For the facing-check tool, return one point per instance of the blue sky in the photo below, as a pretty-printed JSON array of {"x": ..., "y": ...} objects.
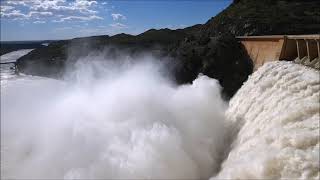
[{"x": 64, "y": 19}]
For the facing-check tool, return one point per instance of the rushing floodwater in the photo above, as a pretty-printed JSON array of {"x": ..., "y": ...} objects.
[
  {"x": 277, "y": 114},
  {"x": 110, "y": 120}
]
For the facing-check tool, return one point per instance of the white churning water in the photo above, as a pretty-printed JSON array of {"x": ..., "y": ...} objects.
[
  {"x": 277, "y": 114},
  {"x": 130, "y": 123}
]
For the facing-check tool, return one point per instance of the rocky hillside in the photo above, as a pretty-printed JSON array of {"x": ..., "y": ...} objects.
[
  {"x": 213, "y": 50},
  {"x": 210, "y": 48},
  {"x": 266, "y": 17},
  {"x": 51, "y": 60}
]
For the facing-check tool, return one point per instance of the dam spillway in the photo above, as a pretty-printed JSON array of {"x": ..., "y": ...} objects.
[
  {"x": 276, "y": 118},
  {"x": 302, "y": 49}
]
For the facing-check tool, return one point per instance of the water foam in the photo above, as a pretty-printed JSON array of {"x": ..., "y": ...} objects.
[
  {"x": 277, "y": 115},
  {"x": 130, "y": 122}
]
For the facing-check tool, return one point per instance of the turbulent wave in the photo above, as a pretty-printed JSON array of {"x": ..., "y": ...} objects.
[
  {"x": 124, "y": 122},
  {"x": 277, "y": 115}
]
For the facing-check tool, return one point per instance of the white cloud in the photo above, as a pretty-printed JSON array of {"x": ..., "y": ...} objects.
[
  {"x": 44, "y": 13},
  {"x": 57, "y": 21},
  {"x": 60, "y": 8},
  {"x": 39, "y": 22},
  {"x": 118, "y": 25},
  {"x": 85, "y": 3},
  {"x": 18, "y": 15},
  {"x": 6, "y": 8},
  {"x": 14, "y": 14},
  {"x": 14, "y": 2},
  {"x": 81, "y": 18},
  {"x": 47, "y": 5},
  {"x": 82, "y": 6},
  {"x": 118, "y": 17},
  {"x": 62, "y": 28}
]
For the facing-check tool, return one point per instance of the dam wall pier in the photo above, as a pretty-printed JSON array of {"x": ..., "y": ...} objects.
[
  {"x": 302, "y": 49},
  {"x": 308, "y": 50}
]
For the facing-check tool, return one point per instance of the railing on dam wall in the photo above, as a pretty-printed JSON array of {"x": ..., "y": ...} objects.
[{"x": 302, "y": 49}]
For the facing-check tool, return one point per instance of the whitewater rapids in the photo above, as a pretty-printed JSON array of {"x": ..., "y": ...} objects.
[{"x": 276, "y": 114}]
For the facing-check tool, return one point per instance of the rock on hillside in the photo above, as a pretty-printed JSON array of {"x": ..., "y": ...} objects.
[{"x": 221, "y": 57}]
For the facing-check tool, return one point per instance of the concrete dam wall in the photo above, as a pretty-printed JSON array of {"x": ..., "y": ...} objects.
[{"x": 303, "y": 49}]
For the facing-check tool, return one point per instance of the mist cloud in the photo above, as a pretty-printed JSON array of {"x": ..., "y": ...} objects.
[{"x": 112, "y": 119}]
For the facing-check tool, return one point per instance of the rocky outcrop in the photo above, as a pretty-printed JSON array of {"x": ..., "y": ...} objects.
[
  {"x": 214, "y": 51},
  {"x": 221, "y": 57},
  {"x": 266, "y": 17}
]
